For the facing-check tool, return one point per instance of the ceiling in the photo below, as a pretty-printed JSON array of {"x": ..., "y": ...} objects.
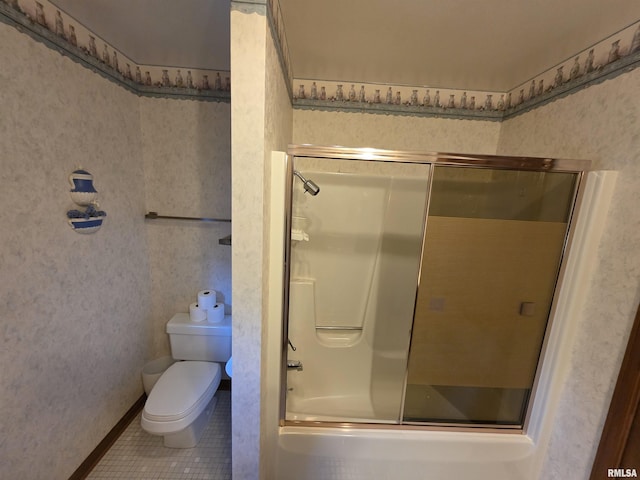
[
  {"x": 490, "y": 45},
  {"x": 174, "y": 33}
]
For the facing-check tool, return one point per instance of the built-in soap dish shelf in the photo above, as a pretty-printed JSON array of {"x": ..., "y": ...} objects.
[
  {"x": 298, "y": 229},
  {"x": 299, "y": 235}
]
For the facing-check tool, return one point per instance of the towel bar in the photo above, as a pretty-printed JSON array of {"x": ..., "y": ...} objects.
[
  {"x": 336, "y": 327},
  {"x": 154, "y": 215}
]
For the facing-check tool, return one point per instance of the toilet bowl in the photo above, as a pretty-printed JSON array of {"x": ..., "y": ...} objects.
[
  {"x": 181, "y": 403},
  {"x": 182, "y": 400}
]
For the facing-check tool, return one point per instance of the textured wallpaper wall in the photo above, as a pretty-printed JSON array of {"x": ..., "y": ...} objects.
[
  {"x": 395, "y": 132},
  {"x": 74, "y": 308},
  {"x": 278, "y": 130},
  {"x": 248, "y": 34},
  {"x": 261, "y": 121},
  {"x": 81, "y": 314},
  {"x": 601, "y": 124},
  {"x": 186, "y": 148}
]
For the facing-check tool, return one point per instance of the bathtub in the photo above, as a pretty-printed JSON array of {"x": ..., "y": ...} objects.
[
  {"x": 313, "y": 453},
  {"x": 399, "y": 453},
  {"x": 356, "y": 376}
]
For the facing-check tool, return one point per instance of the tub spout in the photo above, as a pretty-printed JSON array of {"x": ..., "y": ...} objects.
[{"x": 294, "y": 365}]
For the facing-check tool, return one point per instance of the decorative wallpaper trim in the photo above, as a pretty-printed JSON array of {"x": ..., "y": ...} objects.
[
  {"x": 56, "y": 31},
  {"x": 617, "y": 54},
  {"x": 248, "y": 6},
  {"x": 568, "y": 87},
  {"x": 276, "y": 24},
  {"x": 403, "y": 100}
]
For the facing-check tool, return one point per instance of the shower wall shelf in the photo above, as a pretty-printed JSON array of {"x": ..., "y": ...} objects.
[{"x": 299, "y": 235}]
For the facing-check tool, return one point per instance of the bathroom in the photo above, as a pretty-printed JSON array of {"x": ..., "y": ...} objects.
[{"x": 73, "y": 346}]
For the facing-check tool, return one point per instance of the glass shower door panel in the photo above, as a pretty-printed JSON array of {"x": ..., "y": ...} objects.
[
  {"x": 493, "y": 245},
  {"x": 355, "y": 255}
]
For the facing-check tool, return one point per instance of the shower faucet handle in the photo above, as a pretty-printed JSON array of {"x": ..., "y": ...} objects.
[{"x": 294, "y": 365}]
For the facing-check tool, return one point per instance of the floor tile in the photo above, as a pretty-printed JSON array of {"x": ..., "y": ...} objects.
[{"x": 138, "y": 455}]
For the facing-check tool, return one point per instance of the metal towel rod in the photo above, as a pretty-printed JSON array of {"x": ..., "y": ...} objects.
[
  {"x": 336, "y": 327},
  {"x": 154, "y": 215}
]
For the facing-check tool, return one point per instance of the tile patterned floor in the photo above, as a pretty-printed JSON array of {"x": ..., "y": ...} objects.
[{"x": 137, "y": 455}]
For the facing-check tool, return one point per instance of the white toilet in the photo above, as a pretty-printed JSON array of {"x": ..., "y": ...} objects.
[{"x": 182, "y": 401}]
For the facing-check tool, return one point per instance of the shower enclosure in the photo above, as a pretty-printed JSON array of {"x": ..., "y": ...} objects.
[{"x": 419, "y": 286}]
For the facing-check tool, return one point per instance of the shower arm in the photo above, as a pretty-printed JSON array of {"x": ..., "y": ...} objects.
[{"x": 309, "y": 185}]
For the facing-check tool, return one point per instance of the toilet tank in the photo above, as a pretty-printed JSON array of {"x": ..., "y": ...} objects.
[{"x": 210, "y": 342}]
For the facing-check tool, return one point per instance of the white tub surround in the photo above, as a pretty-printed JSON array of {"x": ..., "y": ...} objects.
[{"x": 385, "y": 452}]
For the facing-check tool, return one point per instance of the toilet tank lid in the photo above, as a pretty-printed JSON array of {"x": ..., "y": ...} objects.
[{"x": 181, "y": 323}]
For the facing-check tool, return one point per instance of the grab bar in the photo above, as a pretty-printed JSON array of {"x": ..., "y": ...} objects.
[
  {"x": 336, "y": 327},
  {"x": 154, "y": 215}
]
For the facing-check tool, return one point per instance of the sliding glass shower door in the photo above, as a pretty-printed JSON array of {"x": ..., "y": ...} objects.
[
  {"x": 493, "y": 245},
  {"x": 355, "y": 255},
  {"x": 420, "y": 286}
]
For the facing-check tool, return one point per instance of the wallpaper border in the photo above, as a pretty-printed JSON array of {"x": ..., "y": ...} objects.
[
  {"x": 488, "y": 110},
  {"x": 601, "y": 74},
  {"x": 617, "y": 54},
  {"x": 38, "y": 29},
  {"x": 607, "y": 63},
  {"x": 276, "y": 24}
]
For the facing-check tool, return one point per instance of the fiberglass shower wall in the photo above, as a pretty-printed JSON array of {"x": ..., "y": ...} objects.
[
  {"x": 421, "y": 286},
  {"x": 355, "y": 250}
]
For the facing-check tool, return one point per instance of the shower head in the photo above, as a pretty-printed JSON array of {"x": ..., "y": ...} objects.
[{"x": 309, "y": 185}]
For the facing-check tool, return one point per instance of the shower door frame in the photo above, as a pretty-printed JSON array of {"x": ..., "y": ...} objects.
[{"x": 431, "y": 159}]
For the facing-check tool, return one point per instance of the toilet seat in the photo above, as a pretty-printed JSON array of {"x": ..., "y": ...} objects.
[{"x": 180, "y": 395}]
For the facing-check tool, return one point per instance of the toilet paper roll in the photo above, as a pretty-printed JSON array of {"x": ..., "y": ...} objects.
[
  {"x": 207, "y": 299},
  {"x": 216, "y": 313},
  {"x": 197, "y": 313}
]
